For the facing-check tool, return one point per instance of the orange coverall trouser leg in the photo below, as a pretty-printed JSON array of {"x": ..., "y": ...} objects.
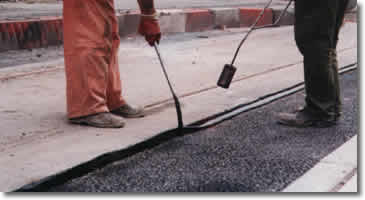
[{"x": 91, "y": 43}]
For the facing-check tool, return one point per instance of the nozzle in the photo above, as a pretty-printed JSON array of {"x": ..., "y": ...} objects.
[{"x": 226, "y": 76}]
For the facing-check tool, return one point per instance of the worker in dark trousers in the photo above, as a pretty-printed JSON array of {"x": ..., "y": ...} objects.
[{"x": 317, "y": 26}]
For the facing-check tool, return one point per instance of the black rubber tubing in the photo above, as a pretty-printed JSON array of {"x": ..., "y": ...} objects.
[
  {"x": 252, "y": 28},
  {"x": 176, "y": 99}
]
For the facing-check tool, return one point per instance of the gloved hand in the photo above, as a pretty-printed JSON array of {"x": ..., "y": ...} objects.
[{"x": 149, "y": 27}]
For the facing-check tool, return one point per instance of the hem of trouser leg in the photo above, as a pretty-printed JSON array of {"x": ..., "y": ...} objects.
[
  {"x": 116, "y": 107},
  {"x": 315, "y": 107},
  {"x": 326, "y": 119}
]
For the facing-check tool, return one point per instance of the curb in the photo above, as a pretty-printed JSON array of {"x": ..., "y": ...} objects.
[
  {"x": 332, "y": 173},
  {"x": 47, "y": 31},
  {"x": 30, "y": 33}
]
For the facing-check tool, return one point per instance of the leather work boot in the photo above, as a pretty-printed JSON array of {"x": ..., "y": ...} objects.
[
  {"x": 305, "y": 118},
  {"x": 128, "y": 111},
  {"x": 100, "y": 120}
]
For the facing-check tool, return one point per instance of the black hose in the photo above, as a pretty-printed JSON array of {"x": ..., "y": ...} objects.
[
  {"x": 253, "y": 27},
  {"x": 278, "y": 19},
  {"x": 176, "y": 100}
]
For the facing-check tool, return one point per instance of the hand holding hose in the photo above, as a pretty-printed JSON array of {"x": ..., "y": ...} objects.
[{"x": 149, "y": 25}]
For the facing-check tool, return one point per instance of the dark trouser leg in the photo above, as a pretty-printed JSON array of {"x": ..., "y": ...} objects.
[
  {"x": 316, "y": 34},
  {"x": 339, "y": 22},
  {"x": 321, "y": 79}
]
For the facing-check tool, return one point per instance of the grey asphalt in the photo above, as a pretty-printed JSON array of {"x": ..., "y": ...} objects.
[
  {"x": 18, "y": 11},
  {"x": 15, "y": 58},
  {"x": 249, "y": 153}
]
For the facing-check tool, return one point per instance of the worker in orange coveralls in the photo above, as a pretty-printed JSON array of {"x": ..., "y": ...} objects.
[{"x": 91, "y": 41}]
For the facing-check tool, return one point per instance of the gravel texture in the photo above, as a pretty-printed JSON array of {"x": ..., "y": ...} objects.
[{"x": 250, "y": 153}]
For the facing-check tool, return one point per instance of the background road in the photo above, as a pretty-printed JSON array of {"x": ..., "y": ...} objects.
[
  {"x": 249, "y": 153},
  {"x": 35, "y": 10}
]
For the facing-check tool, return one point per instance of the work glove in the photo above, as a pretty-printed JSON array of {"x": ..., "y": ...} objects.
[{"x": 149, "y": 27}]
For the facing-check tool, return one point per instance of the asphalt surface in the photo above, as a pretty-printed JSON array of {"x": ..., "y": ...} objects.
[
  {"x": 18, "y": 11},
  {"x": 250, "y": 153},
  {"x": 15, "y": 58}
]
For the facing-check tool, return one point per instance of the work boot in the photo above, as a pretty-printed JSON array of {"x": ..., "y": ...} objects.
[
  {"x": 306, "y": 118},
  {"x": 100, "y": 120},
  {"x": 128, "y": 111}
]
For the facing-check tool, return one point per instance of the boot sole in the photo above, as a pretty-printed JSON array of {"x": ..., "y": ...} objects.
[
  {"x": 84, "y": 123},
  {"x": 129, "y": 115},
  {"x": 315, "y": 124}
]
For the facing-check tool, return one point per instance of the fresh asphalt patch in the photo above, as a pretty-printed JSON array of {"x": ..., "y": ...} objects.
[{"x": 249, "y": 153}]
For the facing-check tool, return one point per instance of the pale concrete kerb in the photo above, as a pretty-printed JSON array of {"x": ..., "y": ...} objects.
[
  {"x": 229, "y": 17},
  {"x": 172, "y": 21},
  {"x": 329, "y": 172}
]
